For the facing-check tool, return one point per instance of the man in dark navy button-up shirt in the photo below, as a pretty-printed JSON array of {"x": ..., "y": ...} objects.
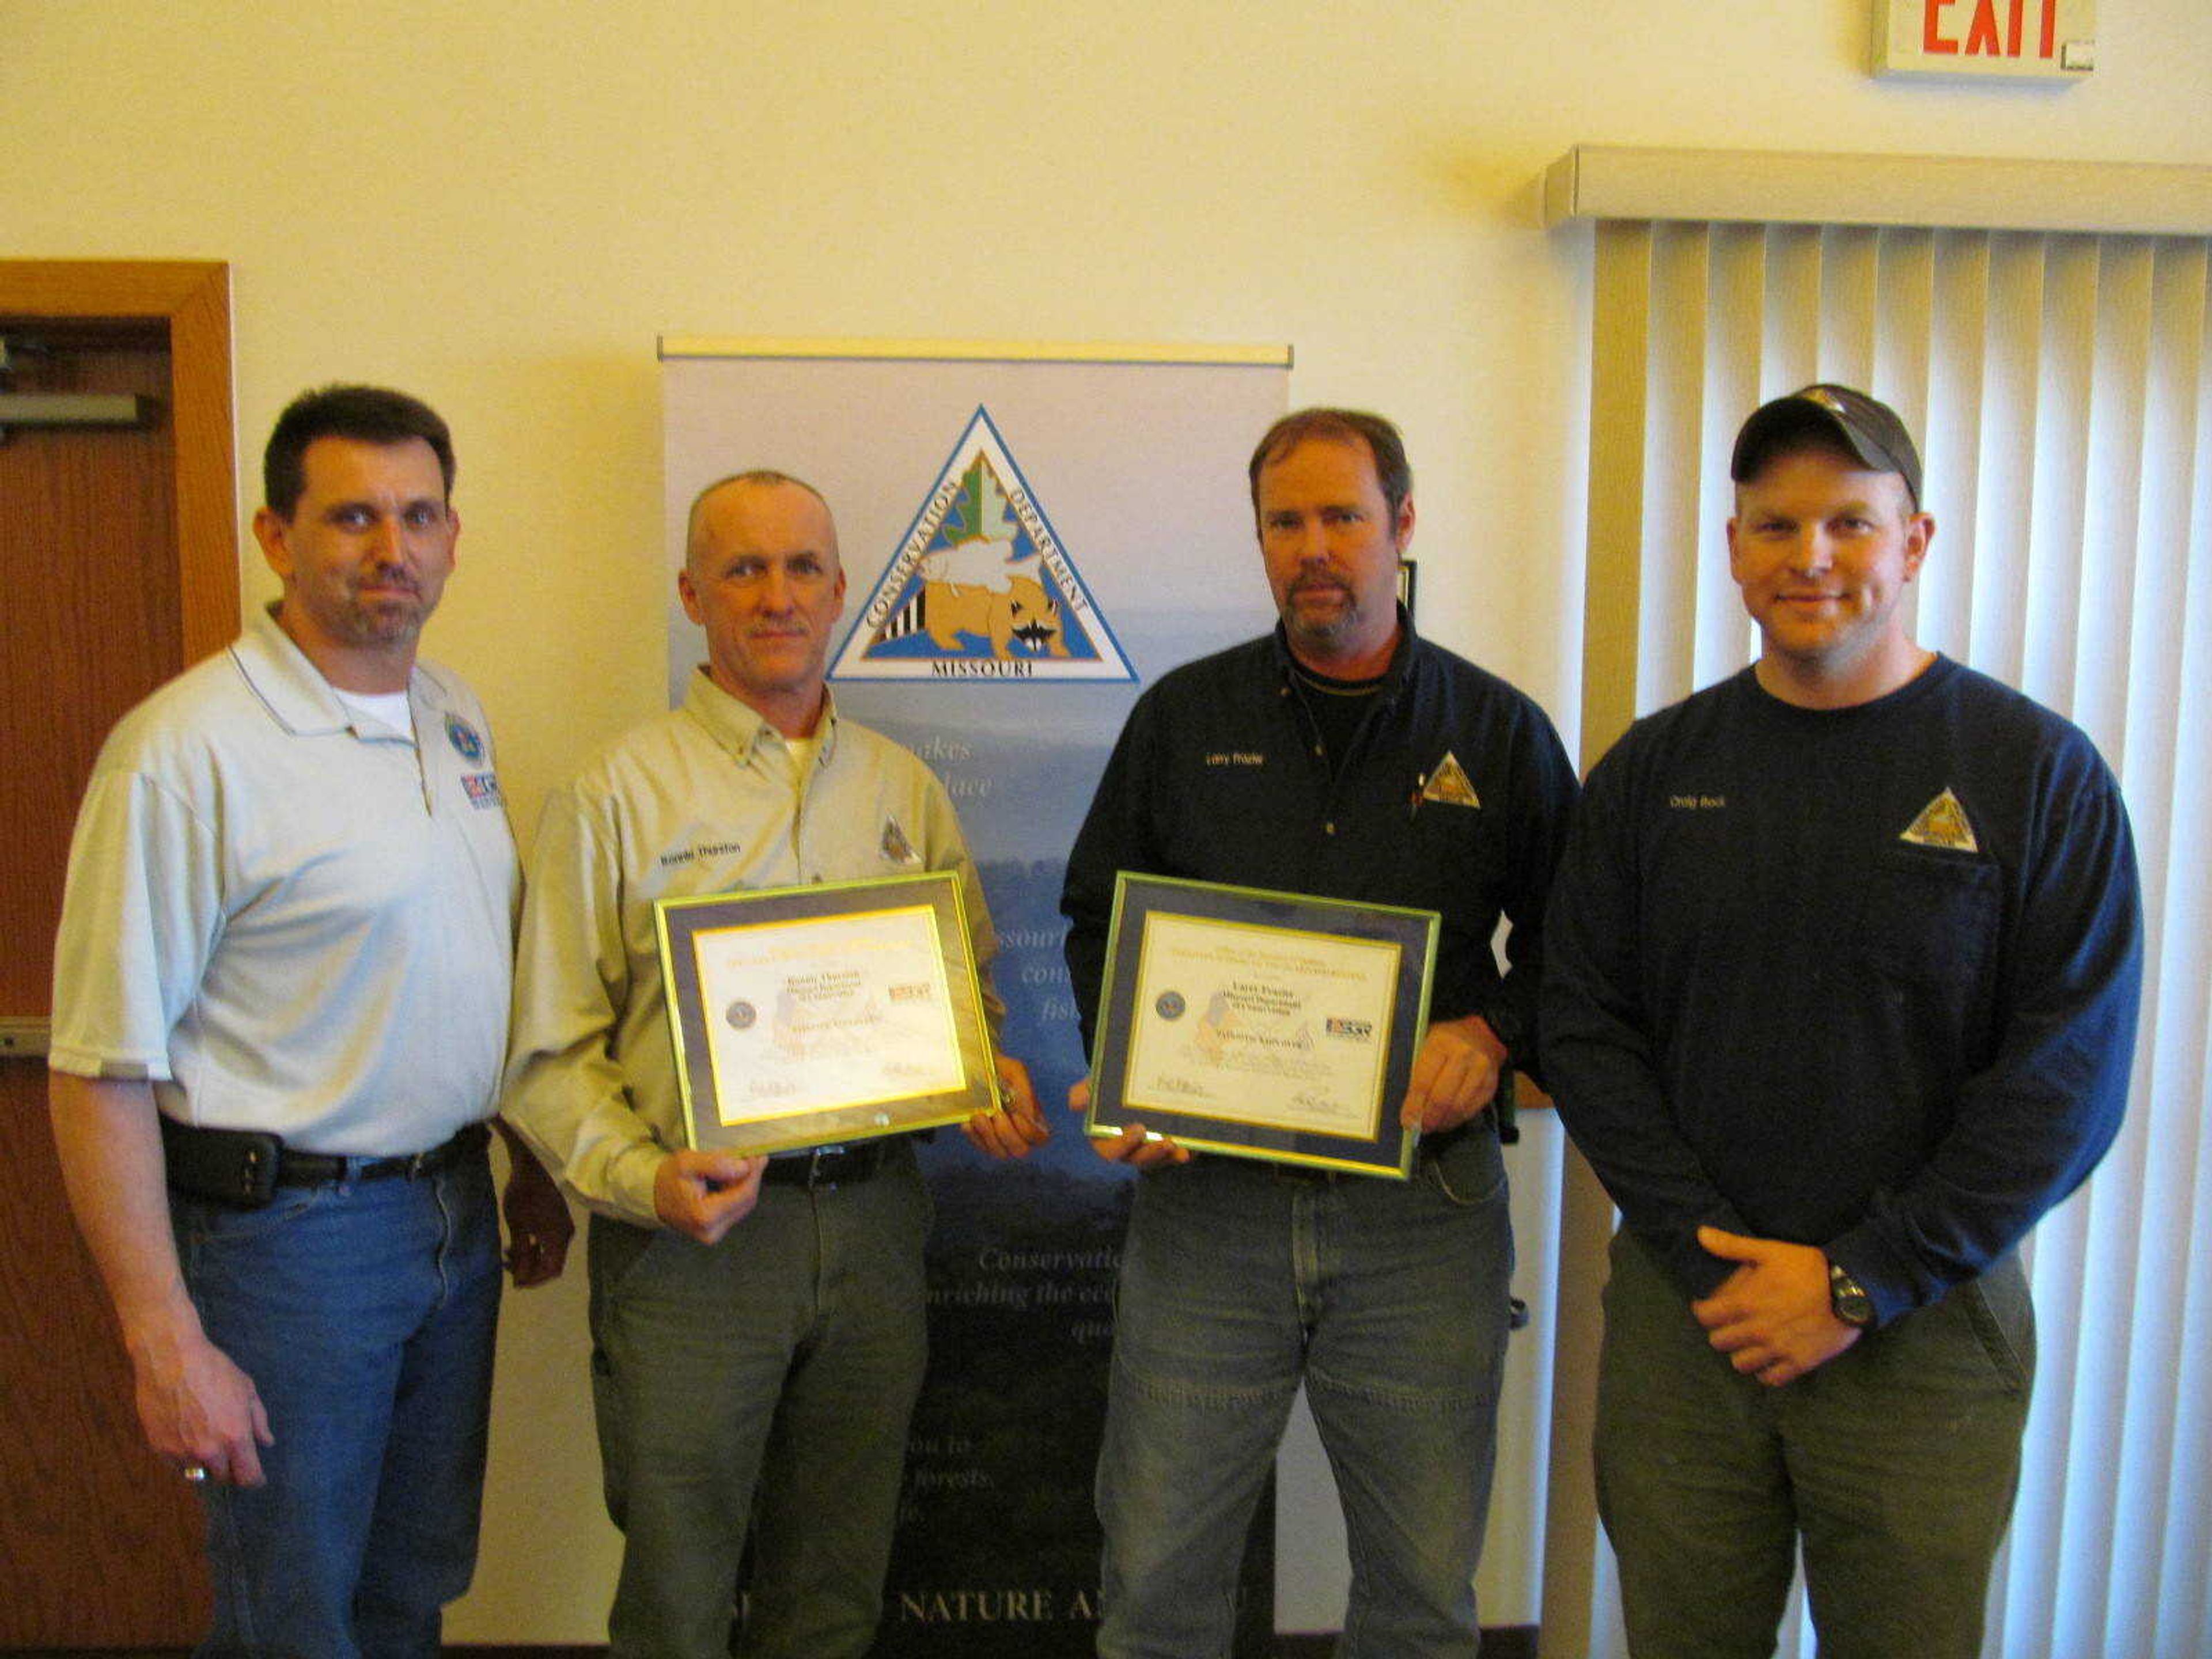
[{"x": 1342, "y": 756}]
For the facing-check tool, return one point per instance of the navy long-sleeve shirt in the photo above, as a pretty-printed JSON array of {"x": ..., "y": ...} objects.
[
  {"x": 1861, "y": 978},
  {"x": 1219, "y": 776}
]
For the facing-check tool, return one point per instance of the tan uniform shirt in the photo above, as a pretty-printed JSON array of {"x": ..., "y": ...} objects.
[{"x": 701, "y": 799}]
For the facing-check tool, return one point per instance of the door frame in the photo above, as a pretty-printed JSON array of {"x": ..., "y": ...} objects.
[
  {"x": 191, "y": 298},
  {"x": 189, "y": 302}
]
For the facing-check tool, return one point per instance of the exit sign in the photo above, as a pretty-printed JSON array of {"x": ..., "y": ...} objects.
[{"x": 2019, "y": 39}]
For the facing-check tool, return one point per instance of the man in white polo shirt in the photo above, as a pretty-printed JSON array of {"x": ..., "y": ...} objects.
[{"x": 280, "y": 1006}]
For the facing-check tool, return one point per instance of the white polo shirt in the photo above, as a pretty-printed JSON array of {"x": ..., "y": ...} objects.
[{"x": 288, "y": 915}]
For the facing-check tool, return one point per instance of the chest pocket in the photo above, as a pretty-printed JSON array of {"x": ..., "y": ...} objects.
[
  {"x": 1931, "y": 922},
  {"x": 1456, "y": 852}
]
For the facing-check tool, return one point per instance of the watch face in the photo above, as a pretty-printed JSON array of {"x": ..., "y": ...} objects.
[{"x": 1849, "y": 1298}]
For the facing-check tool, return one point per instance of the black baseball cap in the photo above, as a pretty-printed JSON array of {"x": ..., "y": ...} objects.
[{"x": 1866, "y": 427}]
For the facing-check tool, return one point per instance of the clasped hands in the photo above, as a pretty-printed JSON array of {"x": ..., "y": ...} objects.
[{"x": 1772, "y": 1317}]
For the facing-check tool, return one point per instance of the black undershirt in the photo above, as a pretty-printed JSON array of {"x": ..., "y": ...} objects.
[{"x": 1337, "y": 707}]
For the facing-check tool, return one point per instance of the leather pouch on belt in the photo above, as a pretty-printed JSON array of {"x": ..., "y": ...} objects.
[{"x": 237, "y": 1167}]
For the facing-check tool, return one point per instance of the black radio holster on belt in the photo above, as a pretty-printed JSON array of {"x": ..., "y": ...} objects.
[{"x": 237, "y": 1167}]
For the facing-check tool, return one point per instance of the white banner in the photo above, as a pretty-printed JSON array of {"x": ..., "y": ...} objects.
[{"x": 1029, "y": 536}]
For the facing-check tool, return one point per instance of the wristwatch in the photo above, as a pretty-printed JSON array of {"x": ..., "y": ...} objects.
[{"x": 1849, "y": 1298}]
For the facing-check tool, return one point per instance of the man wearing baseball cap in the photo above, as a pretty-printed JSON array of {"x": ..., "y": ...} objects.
[{"x": 1846, "y": 954}]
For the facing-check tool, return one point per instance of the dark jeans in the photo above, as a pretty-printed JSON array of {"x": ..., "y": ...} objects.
[
  {"x": 364, "y": 1313},
  {"x": 1391, "y": 1299}
]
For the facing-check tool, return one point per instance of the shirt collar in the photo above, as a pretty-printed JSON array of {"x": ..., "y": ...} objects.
[
  {"x": 1392, "y": 677},
  {"x": 740, "y": 728},
  {"x": 296, "y": 694}
]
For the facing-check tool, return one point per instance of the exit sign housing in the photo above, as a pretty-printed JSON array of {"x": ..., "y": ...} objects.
[{"x": 2014, "y": 39}]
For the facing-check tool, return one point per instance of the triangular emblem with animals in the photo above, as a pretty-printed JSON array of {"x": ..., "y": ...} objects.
[{"x": 980, "y": 586}]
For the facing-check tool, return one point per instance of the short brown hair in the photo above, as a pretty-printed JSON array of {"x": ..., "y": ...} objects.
[
  {"x": 1340, "y": 426},
  {"x": 366, "y": 414}
]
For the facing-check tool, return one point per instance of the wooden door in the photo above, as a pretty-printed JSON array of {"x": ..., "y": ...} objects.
[{"x": 118, "y": 570}]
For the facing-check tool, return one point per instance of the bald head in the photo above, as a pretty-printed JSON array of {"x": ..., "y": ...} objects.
[
  {"x": 763, "y": 578},
  {"x": 707, "y": 502}
]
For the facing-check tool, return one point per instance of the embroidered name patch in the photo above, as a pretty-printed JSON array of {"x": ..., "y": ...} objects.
[{"x": 705, "y": 849}]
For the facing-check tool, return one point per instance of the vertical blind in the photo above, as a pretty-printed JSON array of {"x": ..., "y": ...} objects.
[{"x": 2062, "y": 388}]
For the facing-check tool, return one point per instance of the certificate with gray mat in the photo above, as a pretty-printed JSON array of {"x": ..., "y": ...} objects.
[
  {"x": 1263, "y": 1025},
  {"x": 804, "y": 1016}
]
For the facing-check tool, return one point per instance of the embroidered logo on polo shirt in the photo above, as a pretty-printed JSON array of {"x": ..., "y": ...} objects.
[
  {"x": 1448, "y": 784},
  {"x": 1942, "y": 822},
  {"x": 896, "y": 847},
  {"x": 482, "y": 787},
  {"x": 467, "y": 742}
]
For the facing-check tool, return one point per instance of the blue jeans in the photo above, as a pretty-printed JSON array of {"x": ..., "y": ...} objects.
[
  {"x": 364, "y": 1313},
  {"x": 761, "y": 1384},
  {"x": 1896, "y": 1462},
  {"x": 1391, "y": 1300}
]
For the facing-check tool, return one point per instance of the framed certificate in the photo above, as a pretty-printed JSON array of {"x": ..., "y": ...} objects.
[
  {"x": 807, "y": 1015},
  {"x": 1270, "y": 1025}
]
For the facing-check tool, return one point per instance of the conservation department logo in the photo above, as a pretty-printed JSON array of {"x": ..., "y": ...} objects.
[
  {"x": 895, "y": 846},
  {"x": 1449, "y": 784},
  {"x": 1943, "y": 823},
  {"x": 981, "y": 587}
]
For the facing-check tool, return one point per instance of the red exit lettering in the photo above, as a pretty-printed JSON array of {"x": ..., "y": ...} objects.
[{"x": 1982, "y": 38}]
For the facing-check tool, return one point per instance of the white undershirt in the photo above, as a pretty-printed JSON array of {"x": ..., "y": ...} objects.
[
  {"x": 385, "y": 708},
  {"x": 803, "y": 752}
]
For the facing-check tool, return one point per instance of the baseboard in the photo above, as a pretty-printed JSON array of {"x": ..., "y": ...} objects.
[
  {"x": 1504, "y": 1641},
  {"x": 1512, "y": 1642},
  {"x": 1509, "y": 1642}
]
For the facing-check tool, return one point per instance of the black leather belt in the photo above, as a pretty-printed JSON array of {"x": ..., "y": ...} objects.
[
  {"x": 826, "y": 1166},
  {"x": 298, "y": 1169},
  {"x": 244, "y": 1167}
]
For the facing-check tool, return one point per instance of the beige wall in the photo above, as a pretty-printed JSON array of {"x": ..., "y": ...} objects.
[{"x": 498, "y": 204}]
